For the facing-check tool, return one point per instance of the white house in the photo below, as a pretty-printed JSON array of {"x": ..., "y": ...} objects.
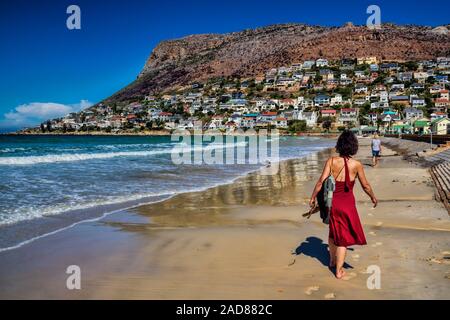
[
  {"x": 348, "y": 115},
  {"x": 322, "y": 62},
  {"x": 280, "y": 122},
  {"x": 164, "y": 116},
  {"x": 309, "y": 117},
  {"x": 360, "y": 74},
  {"x": 398, "y": 87},
  {"x": 360, "y": 88},
  {"x": 308, "y": 64},
  {"x": 336, "y": 99},
  {"x": 217, "y": 122},
  {"x": 418, "y": 102},
  {"x": 420, "y": 76},
  {"x": 413, "y": 113},
  {"x": 384, "y": 96},
  {"x": 438, "y": 115}
]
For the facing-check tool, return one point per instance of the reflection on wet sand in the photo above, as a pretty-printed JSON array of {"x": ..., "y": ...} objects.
[{"x": 210, "y": 207}]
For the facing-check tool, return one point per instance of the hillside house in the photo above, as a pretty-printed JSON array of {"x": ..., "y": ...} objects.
[
  {"x": 281, "y": 123},
  {"x": 417, "y": 86},
  {"x": 403, "y": 100},
  {"x": 441, "y": 126},
  {"x": 322, "y": 63},
  {"x": 321, "y": 100},
  {"x": 348, "y": 116},
  {"x": 421, "y": 126},
  {"x": 418, "y": 102},
  {"x": 360, "y": 88},
  {"x": 367, "y": 60},
  {"x": 413, "y": 113},
  {"x": 309, "y": 117},
  {"x": 164, "y": 116},
  {"x": 405, "y": 76},
  {"x": 336, "y": 100},
  {"x": 268, "y": 116},
  {"x": 437, "y": 115},
  {"x": 328, "y": 113},
  {"x": 308, "y": 64}
]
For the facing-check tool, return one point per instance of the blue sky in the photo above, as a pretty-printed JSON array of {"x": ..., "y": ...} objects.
[{"x": 47, "y": 69}]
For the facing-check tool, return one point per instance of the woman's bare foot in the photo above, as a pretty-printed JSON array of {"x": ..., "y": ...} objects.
[{"x": 340, "y": 273}]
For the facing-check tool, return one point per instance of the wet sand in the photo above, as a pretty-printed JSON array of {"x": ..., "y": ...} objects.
[{"x": 247, "y": 240}]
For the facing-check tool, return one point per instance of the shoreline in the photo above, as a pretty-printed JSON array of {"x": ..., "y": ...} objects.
[
  {"x": 161, "y": 133},
  {"x": 246, "y": 240},
  {"x": 87, "y": 134},
  {"x": 68, "y": 219}
]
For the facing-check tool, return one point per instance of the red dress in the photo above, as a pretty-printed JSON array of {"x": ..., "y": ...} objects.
[{"x": 345, "y": 226}]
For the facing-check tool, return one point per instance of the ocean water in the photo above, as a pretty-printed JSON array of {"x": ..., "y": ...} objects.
[{"x": 49, "y": 182}]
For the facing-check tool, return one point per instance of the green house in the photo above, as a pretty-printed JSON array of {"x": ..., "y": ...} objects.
[
  {"x": 422, "y": 126},
  {"x": 402, "y": 128}
]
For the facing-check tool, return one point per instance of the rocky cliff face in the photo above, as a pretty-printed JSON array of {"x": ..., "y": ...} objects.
[{"x": 251, "y": 52}]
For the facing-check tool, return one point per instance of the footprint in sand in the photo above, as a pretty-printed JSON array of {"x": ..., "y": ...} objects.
[
  {"x": 355, "y": 256},
  {"x": 377, "y": 244},
  {"x": 379, "y": 224},
  {"x": 372, "y": 233},
  {"x": 330, "y": 295},
  {"x": 309, "y": 291},
  {"x": 434, "y": 260},
  {"x": 349, "y": 276}
]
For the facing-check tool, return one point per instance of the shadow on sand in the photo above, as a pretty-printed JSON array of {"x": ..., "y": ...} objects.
[{"x": 315, "y": 248}]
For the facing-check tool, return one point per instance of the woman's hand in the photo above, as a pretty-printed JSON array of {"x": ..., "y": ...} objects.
[
  {"x": 374, "y": 201},
  {"x": 312, "y": 202}
]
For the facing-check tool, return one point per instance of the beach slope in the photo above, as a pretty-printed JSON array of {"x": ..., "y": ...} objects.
[{"x": 247, "y": 240}]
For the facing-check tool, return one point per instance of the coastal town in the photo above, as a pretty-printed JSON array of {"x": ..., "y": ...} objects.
[{"x": 364, "y": 94}]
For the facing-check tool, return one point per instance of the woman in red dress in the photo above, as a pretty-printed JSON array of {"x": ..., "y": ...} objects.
[{"x": 345, "y": 226}]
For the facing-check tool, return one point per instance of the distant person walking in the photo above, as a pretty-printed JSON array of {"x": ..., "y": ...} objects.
[
  {"x": 345, "y": 227},
  {"x": 376, "y": 149}
]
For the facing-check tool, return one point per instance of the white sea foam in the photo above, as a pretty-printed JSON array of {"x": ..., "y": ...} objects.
[
  {"x": 10, "y": 150},
  {"x": 68, "y": 157},
  {"x": 30, "y": 213},
  {"x": 52, "y": 158}
]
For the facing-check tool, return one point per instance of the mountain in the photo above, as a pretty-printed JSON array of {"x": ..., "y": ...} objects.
[{"x": 248, "y": 53}]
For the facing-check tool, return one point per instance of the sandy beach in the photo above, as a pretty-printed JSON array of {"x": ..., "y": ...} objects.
[{"x": 247, "y": 240}]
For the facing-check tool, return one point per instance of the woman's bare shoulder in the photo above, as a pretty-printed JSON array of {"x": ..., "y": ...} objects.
[
  {"x": 333, "y": 160},
  {"x": 357, "y": 163}
]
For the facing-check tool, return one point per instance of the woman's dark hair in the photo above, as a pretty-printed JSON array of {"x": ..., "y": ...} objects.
[{"x": 347, "y": 144}]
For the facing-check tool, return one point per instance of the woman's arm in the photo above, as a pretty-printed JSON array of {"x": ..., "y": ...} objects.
[
  {"x": 325, "y": 173},
  {"x": 366, "y": 185}
]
